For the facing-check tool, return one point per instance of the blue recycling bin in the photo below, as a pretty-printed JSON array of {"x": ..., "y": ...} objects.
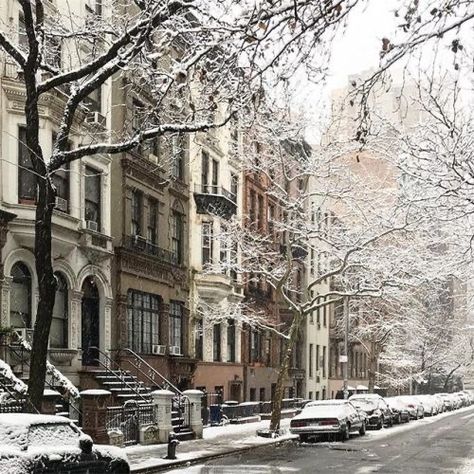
[{"x": 215, "y": 414}]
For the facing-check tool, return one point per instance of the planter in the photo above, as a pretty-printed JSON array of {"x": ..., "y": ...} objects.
[{"x": 62, "y": 356}]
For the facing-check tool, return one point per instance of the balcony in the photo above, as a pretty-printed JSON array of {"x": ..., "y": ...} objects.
[
  {"x": 215, "y": 200},
  {"x": 139, "y": 244}
]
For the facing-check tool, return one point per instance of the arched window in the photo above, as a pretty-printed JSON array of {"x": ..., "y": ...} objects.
[
  {"x": 20, "y": 296},
  {"x": 59, "y": 327}
]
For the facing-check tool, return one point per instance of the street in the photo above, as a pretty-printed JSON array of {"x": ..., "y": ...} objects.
[{"x": 440, "y": 444}]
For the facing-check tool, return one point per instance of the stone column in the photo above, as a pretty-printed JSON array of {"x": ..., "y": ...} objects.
[
  {"x": 75, "y": 325},
  {"x": 162, "y": 405},
  {"x": 207, "y": 341},
  {"x": 94, "y": 414},
  {"x": 195, "y": 419},
  {"x": 107, "y": 324},
  {"x": 5, "y": 300},
  {"x": 238, "y": 342}
]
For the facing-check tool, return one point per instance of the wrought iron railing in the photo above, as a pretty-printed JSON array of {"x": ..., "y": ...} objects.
[
  {"x": 216, "y": 190},
  {"x": 140, "y": 244}
]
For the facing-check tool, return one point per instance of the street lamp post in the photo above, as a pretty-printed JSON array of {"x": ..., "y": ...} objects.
[{"x": 346, "y": 348}]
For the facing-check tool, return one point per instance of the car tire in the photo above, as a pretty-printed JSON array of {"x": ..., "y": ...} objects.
[
  {"x": 303, "y": 438},
  {"x": 362, "y": 429},
  {"x": 380, "y": 424}
]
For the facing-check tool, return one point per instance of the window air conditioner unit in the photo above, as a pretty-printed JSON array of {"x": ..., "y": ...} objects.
[
  {"x": 153, "y": 158},
  {"x": 158, "y": 350},
  {"x": 61, "y": 204},
  {"x": 92, "y": 225},
  {"x": 95, "y": 117},
  {"x": 139, "y": 241},
  {"x": 175, "y": 350}
]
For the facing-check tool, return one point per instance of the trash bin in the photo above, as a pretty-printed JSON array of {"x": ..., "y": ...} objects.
[{"x": 215, "y": 414}]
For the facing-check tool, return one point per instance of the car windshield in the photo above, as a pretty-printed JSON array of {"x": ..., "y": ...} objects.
[
  {"x": 52, "y": 434},
  {"x": 365, "y": 404}
]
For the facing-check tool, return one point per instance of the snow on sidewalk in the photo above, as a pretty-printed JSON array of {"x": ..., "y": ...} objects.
[{"x": 217, "y": 440}]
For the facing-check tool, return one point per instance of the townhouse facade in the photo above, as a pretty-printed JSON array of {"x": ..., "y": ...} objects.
[{"x": 82, "y": 241}]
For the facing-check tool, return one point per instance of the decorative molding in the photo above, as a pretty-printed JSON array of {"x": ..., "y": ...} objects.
[{"x": 144, "y": 171}]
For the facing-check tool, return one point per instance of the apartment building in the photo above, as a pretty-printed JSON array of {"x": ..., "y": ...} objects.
[
  {"x": 216, "y": 185},
  {"x": 82, "y": 241},
  {"x": 150, "y": 227}
]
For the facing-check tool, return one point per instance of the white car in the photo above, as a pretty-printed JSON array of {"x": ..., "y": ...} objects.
[
  {"x": 32, "y": 443},
  {"x": 339, "y": 419}
]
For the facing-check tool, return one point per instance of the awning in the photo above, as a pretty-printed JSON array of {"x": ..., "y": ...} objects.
[{"x": 362, "y": 387}]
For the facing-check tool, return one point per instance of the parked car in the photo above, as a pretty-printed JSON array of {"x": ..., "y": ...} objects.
[
  {"x": 47, "y": 443},
  {"x": 414, "y": 406},
  {"x": 399, "y": 410},
  {"x": 448, "y": 401},
  {"x": 429, "y": 405},
  {"x": 322, "y": 418},
  {"x": 378, "y": 412}
]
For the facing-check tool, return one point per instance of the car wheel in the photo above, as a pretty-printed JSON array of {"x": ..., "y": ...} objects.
[
  {"x": 362, "y": 429},
  {"x": 119, "y": 467},
  {"x": 399, "y": 420},
  {"x": 303, "y": 438},
  {"x": 380, "y": 423}
]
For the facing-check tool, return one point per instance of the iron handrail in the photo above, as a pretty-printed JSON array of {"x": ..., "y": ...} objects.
[
  {"x": 116, "y": 373},
  {"x": 150, "y": 368},
  {"x": 14, "y": 349}
]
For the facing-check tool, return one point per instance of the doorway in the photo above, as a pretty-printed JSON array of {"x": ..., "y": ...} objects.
[{"x": 90, "y": 322}]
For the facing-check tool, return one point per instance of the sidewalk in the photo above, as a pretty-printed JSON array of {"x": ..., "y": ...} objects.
[{"x": 217, "y": 441}]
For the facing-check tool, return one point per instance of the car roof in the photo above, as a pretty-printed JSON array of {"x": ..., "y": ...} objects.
[{"x": 28, "y": 419}]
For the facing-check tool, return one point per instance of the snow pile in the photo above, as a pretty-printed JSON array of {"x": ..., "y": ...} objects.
[{"x": 6, "y": 372}]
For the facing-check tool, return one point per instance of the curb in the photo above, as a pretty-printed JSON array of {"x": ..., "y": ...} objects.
[{"x": 197, "y": 460}]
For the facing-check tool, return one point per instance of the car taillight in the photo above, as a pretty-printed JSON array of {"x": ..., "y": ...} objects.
[
  {"x": 330, "y": 421},
  {"x": 297, "y": 423}
]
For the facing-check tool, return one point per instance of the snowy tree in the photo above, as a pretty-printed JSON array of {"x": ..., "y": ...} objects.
[{"x": 191, "y": 55}]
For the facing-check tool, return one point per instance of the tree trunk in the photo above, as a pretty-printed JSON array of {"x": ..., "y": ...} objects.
[
  {"x": 283, "y": 372},
  {"x": 47, "y": 291},
  {"x": 372, "y": 367}
]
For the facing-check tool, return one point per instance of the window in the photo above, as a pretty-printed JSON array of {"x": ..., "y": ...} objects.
[
  {"x": 317, "y": 357},
  {"x": 143, "y": 316},
  {"x": 271, "y": 218},
  {"x": 198, "y": 339},
  {"x": 310, "y": 365},
  {"x": 178, "y": 157},
  {"x": 252, "y": 205},
  {"x": 207, "y": 243},
  {"x": 216, "y": 337},
  {"x": 59, "y": 325},
  {"x": 26, "y": 174},
  {"x": 234, "y": 186},
  {"x": 151, "y": 232},
  {"x": 215, "y": 177},
  {"x": 22, "y": 36},
  {"x": 177, "y": 227},
  {"x": 92, "y": 196},
  {"x": 230, "y": 340},
  {"x": 255, "y": 346},
  {"x": 61, "y": 182},
  {"x": 137, "y": 206},
  {"x": 176, "y": 324},
  {"x": 325, "y": 313},
  {"x": 93, "y": 101},
  {"x": 20, "y": 296},
  {"x": 253, "y": 394},
  {"x": 204, "y": 172},
  {"x": 260, "y": 213},
  {"x": 324, "y": 361},
  {"x": 262, "y": 394}
]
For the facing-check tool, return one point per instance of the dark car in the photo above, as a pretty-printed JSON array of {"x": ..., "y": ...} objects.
[
  {"x": 44, "y": 444},
  {"x": 399, "y": 409},
  {"x": 378, "y": 412}
]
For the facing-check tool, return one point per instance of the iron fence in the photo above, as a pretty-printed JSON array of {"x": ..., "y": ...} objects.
[{"x": 129, "y": 418}]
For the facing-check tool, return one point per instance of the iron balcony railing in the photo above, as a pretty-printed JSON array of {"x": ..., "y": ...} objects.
[
  {"x": 216, "y": 190},
  {"x": 140, "y": 244}
]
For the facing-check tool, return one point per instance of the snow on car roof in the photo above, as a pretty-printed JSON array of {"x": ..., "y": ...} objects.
[
  {"x": 322, "y": 410},
  {"x": 27, "y": 419}
]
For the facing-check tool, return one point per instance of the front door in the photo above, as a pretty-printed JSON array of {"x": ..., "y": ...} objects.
[{"x": 90, "y": 323}]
